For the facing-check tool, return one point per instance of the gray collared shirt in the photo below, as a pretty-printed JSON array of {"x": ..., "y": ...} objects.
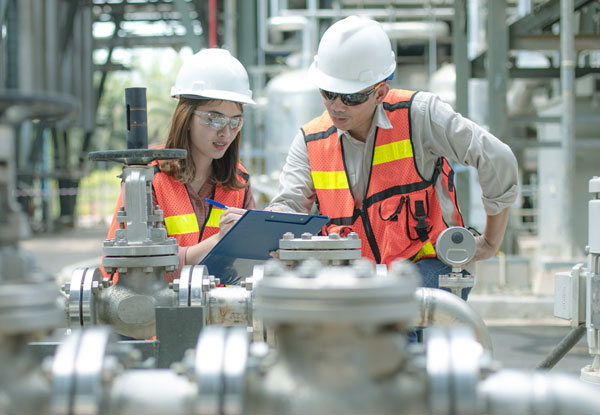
[{"x": 436, "y": 130}]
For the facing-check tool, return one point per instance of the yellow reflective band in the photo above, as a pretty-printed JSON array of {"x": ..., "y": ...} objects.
[
  {"x": 215, "y": 215},
  {"x": 392, "y": 151},
  {"x": 426, "y": 249},
  {"x": 330, "y": 180},
  {"x": 177, "y": 225}
]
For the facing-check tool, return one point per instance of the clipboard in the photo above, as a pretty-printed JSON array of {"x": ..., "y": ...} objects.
[{"x": 251, "y": 239}]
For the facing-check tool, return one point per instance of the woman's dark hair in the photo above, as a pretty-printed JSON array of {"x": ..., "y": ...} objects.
[{"x": 225, "y": 169}]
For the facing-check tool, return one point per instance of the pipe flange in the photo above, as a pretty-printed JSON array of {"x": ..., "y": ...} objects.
[
  {"x": 352, "y": 294},
  {"x": 220, "y": 370},
  {"x": 312, "y": 242},
  {"x": 85, "y": 283},
  {"x": 25, "y": 308},
  {"x": 331, "y": 249},
  {"x": 322, "y": 255},
  {"x": 193, "y": 284},
  {"x": 169, "y": 262},
  {"x": 113, "y": 248},
  {"x": 80, "y": 370},
  {"x": 453, "y": 370}
]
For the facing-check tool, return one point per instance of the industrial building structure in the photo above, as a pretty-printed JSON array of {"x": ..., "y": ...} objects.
[{"x": 529, "y": 70}]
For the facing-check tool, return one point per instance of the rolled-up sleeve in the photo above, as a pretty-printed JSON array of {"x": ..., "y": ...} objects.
[
  {"x": 440, "y": 131},
  {"x": 296, "y": 189}
]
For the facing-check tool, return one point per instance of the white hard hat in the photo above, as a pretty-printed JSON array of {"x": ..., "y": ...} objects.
[
  {"x": 353, "y": 54},
  {"x": 213, "y": 73}
]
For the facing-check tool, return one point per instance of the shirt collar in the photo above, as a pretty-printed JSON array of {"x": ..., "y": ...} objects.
[{"x": 380, "y": 120}]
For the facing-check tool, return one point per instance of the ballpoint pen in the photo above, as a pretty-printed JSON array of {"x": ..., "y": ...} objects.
[{"x": 217, "y": 204}]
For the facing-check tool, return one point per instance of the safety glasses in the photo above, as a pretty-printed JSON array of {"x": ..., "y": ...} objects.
[
  {"x": 218, "y": 121},
  {"x": 349, "y": 99}
]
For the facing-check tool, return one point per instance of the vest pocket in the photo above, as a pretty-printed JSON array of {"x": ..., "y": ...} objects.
[
  {"x": 390, "y": 209},
  {"x": 417, "y": 214}
]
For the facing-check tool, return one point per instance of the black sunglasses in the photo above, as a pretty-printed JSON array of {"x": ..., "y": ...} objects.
[{"x": 349, "y": 99}]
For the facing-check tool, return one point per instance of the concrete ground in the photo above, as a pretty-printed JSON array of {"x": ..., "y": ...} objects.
[{"x": 522, "y": 328}]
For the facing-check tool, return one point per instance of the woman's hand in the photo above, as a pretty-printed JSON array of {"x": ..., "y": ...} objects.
[{"x": 228, "y": 218}]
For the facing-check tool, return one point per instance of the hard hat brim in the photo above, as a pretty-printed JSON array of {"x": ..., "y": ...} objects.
[
  {"x": 342, "y": 86},
  {"x": 214, "y": 94}
]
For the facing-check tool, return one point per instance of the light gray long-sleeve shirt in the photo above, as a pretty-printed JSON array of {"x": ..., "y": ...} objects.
[{"x": 436, "y": 130}]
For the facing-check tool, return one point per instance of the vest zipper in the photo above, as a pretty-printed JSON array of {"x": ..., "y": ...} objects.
[{"x": 370, "y": 235}]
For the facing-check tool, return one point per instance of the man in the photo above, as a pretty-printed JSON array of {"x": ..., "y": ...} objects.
[{"x": 375, "y": 160}]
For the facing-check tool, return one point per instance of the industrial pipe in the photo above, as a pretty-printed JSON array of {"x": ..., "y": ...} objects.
[
  {"x": 515, "y": 393},
  {"x": 439, "y": 307}
]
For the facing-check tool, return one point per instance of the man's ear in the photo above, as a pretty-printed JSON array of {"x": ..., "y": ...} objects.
[{"x": 381, "y": 93}]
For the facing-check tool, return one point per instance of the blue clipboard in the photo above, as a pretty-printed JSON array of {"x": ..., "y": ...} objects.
[{"x": 251, "y": 239}]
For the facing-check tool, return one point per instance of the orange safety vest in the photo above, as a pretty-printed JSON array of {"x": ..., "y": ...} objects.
[
  {"x": 180, "y": 219},
  {"x": 400, "y": 215},
  {"x": 179, "y": 216}
]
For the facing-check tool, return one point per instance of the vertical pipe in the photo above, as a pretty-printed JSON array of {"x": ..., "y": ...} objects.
[
  {"x": 37, "y": 51},
  {"x": 26, "y": 45},
  {"x": 274, "y": 6},
  {"x": 309, "y": 33},
  {"x": 87, "y": 65},
  {"x": 76, "y": 78},
  {"x": 3, "y": 8},
  {"x": 262, "y": 16},
  {"x": 462, "y": 64},
  {"x": 432, "y": 47},
  {"x": 567, "y": 79},
  {"x": 51, "y": 28},
  {"x": 497, "y": 59},
  {"x": 230, "y": 14},
  {"x": 251, "y": 54},
  {"x": 11, "y": 66},
  {"x": 212, "y": 23}
]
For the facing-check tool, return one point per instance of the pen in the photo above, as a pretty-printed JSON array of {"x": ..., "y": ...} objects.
[{"x": 215, "y": 203}]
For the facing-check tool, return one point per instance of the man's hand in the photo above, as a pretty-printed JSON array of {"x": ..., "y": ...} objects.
[
  {"x": 484, "y": 249},
  {"x": 275, "y": 209},
  {"x": 489, "y": 243}
]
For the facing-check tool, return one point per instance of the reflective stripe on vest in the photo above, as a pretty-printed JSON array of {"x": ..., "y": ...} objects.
[
  {"x": 330, "y": 179},
  {"x": 177, "y": 225},
  {"x": 213, "y": 218},
  {"x": 392, "y": 151},
  {"x": 400, "y": 216}
]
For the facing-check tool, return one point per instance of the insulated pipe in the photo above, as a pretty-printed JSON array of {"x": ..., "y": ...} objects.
[
  {"x": 439, "y": 307},
  {"x": 562, "y": 348},
  {"x": 567, "y": 81},
  {"x": 515, "y": 393}
]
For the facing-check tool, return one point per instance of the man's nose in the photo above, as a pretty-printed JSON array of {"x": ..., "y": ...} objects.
[{"x": 337, "y": 103}]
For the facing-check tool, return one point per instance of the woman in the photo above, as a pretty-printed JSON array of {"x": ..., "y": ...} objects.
[{"x": 211, "y": 87}]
